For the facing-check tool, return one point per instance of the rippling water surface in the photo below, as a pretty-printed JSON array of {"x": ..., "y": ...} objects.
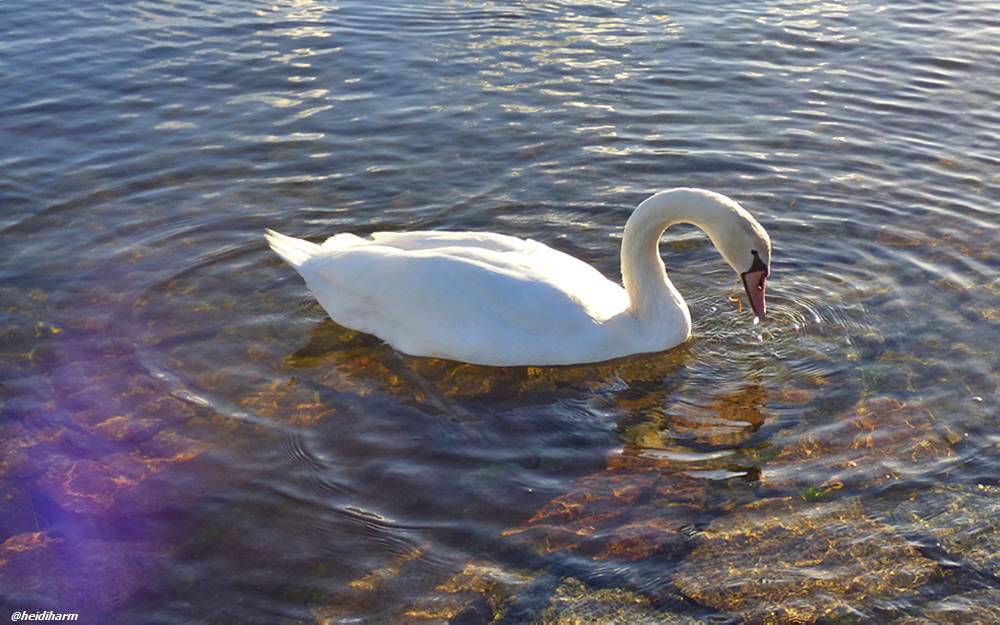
[{"x": 185, "y": 437}]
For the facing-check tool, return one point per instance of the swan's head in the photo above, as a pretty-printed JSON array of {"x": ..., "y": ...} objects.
[
  {"x": 742, "y": 241},
  {"x": 747, "y": 248}
]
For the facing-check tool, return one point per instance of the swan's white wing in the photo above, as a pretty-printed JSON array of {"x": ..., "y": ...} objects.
[
  {"x": 432, "y": 239},
  {"x": 503, "y": 300},
  {"x": 506, "y": 254}
]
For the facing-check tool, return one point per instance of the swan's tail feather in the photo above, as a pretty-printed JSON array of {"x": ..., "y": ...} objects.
[{"x": 293, "y": 251}]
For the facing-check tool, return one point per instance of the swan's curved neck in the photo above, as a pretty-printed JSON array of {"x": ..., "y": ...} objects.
[{"x": 651, "y": 293}]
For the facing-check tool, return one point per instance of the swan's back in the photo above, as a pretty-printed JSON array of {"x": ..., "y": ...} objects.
[{"x": 477, "y": 297}]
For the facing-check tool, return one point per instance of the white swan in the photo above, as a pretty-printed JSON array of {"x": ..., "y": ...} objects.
[{"x": 493, "y": 299}]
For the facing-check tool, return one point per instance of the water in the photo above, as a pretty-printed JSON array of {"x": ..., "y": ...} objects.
[{"x": 185, "y": 437}]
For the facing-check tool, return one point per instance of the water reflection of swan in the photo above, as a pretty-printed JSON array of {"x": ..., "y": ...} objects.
[{"x": 493, "y": 299}]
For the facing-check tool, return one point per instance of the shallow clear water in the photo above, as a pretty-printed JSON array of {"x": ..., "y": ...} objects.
[{"x": 185, "y": 437}]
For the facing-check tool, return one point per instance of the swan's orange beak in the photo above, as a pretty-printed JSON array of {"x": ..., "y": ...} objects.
[{"x": 754, "y": 283}]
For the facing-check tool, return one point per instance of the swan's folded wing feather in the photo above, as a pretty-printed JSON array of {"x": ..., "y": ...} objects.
[
  {"x": 457, "y": 301},
  {"x": 433, "y": 239}
]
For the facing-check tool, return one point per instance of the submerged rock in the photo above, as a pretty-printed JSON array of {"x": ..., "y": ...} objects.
[
  {"x": 91, "y": 486},
  {"x": 23, "y": 451},
  {"x": 784, "y": 560},
  {"x": 981, "y": 607},
  {"x": 728, "y": 420},
  {"x": 123, "y": 428},
  {"x": 289, "y": 402},
  {"x": 963, "y": 521},
  {"x": 349, "y": 361},
  {"x": 385, "y": 587},
  {"x": 16, "y": 510},
  {"x": 25, "y": 543},
  {"x": 40, "y": 571},
  {"x": 116, "y": 480},
  {"x": 720, "y": 417},
  {"x": 574, "y": 603},
  {"x": 636, "y": 508},
  {"x": 409, "y": 589},
  {"x": 880, "y": 440},
  {"x": 477, "y": 582}
]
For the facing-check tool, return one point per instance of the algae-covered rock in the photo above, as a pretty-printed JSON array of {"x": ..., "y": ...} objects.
[
  {"x": 92, "y": 575},
  {"x": 634, "y": 509},
  {"x": 727, "y": 419},
  {"x": 96, "y": 485},
  {"x": 722, "y": 416},
  {"x": 16, "y": 510},
  {"x": 382, "y": 587},
  {"x": 784, "y": 560},
  {"x": 980, "y": 607},
  {"x": 410, "y": 589},
  {"x": 90, "y": 486},
  {"x": 481, "y": 581},
  {"x": 123, "y": 428},
  {"x": 963, "y": 521},
  {"x": 349, "y": 361},
  {"x": 23, "y": 450},
  {"x": 574, "y": 603},
  {"x": 289, "y": 402},
  {"x": 879, "y": 440}
]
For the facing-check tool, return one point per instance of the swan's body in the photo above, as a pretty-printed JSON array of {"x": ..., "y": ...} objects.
[{"x": 493, "y": 299}]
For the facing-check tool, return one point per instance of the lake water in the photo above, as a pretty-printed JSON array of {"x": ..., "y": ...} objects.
[{"x": 185, "y": 437}]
